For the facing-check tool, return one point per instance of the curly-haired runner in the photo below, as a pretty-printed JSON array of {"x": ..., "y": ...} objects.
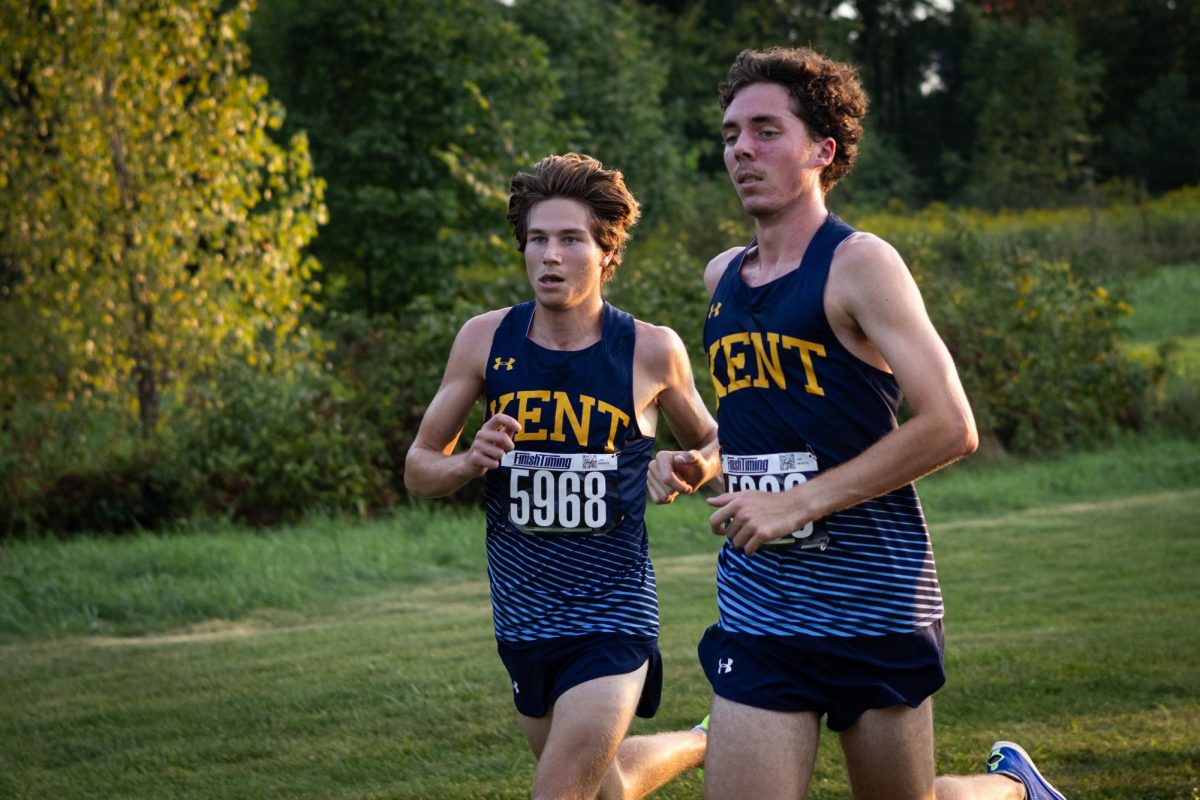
[
  {"x": 828, "y": 597},
  {"x": 573, "y": 389}
]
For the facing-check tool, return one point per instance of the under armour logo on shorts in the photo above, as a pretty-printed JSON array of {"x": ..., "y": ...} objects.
[
  {"x": 724, "y": 666},
  {"x": 515, "y": 689}
]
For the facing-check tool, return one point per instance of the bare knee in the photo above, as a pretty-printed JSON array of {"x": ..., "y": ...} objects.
[
  {"x": 561, "y": 776},
  {"x": 616, "y": 784}
]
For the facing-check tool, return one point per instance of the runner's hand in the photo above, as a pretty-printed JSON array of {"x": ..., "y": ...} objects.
[
  {"x": 494, "y": 439},
  {"x": 753, "y": 518},
  {"x": 673, "y": 472}
]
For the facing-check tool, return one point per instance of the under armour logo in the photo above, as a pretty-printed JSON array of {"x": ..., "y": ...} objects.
[
  {"x": 724, "y": 666},
  {"x": 714, "y": 310},
  {"x": 515, "y": 689},
  {"x": 502, "y": 362}
]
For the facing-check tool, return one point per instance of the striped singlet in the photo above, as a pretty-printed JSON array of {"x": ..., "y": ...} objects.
[
  {"x": 567, "y": 548},
  {"x": 792, "y": 401}
]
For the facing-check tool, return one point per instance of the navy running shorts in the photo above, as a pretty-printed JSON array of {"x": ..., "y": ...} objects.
[
  {"x": 541, "y": 671},
  {"x": 837, "y": 677}
]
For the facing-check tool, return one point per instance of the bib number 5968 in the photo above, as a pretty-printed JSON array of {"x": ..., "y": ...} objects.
[{"x": 545, "y": 499}]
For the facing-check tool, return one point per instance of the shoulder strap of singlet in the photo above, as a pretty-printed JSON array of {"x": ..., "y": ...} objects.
[
  {"x": 619, "y": 332},
  {"x": 515, "y": 322},
  {"x": 734, "y": 265},
  {"x": 826, "y": 240}
]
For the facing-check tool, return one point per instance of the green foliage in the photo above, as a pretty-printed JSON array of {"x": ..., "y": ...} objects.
[
  {"x": 152, "y": 235},
  {"x": 246, "y": 444},
  {"x": 149, "y": 225},
  {"x": 610, "y": 77},
  {"x": 881, "y": 178},
  {"x": 1164, "y": 333},
  {"x": 1160, "y": 143},
  {"x": 1032, "y": 97},
  {"x": 73, "y": 466},
  {"x": 1036, "y": 344},
  {"x": 1119, "y": 240},
  {"x": 390, "y": 373},
  {"x": 127, "y": 492},
  {"x": 265, "y": 449},
  {"x": 1147, "y": 47},
  {"x": 418, "y": 112},
  {"x": 1032, "y": 305}
]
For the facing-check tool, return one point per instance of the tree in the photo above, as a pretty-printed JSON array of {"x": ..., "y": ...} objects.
[
  {"x": 150, "y": 227},
  {"x": 1032, "y": 97},
  {"x": 1159, "y": 143},
  {"x": 698, "y": 39},
  {"x": 418, "y": 111},
  {"x": 1150, "y": 53},
  {"x": 1150, "y": 86},
  {"x": 611, "y": 79}
]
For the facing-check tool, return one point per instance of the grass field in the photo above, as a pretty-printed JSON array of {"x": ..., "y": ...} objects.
[
  {"x": 337, "y": 660},
  {"x": 356, "y": 661}
]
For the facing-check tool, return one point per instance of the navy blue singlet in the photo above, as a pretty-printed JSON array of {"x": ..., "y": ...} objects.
[
  {"x": 566, "y": 540},
  {"x": 792, "y": 401}
]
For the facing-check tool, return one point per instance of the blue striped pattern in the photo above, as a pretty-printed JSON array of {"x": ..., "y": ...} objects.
[
  {"x": 550, "y": 586},
  {"x": 877, "y": 575},
  {"x": 546, "y": 587}
]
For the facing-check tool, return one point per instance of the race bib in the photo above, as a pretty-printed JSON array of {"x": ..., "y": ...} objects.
[
  {"x": 561, "y": 493},
  {"x": 776, "y": 472}
]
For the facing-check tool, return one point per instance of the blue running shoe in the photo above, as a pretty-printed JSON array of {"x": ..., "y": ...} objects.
[{"x": 1011, "y": 759}]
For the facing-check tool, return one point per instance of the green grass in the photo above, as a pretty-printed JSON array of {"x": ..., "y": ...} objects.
[
  {"x": 1134, "y": 465},
  {"x": 1165, "y": 305},
  {"x": 1164, "y": 328},
  {"x": 1166, "y": 312},
  {"x": 147, "y": 582},
  {"x": 336, "y": 660},
  {"x": 356, "y": 661}
]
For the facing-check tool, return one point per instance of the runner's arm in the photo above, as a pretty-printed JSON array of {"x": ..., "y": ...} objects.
[
  {"x": 674, "y": 472},
  {"x": 432, "y": 468}
]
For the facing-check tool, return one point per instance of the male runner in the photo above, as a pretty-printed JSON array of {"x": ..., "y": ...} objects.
[
  {"x": 572, "y": 388},
  {"x": 828, "y": 597}
]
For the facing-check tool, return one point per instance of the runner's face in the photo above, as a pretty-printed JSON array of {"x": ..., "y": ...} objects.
[
  {"x": 563, "y": 260},
  {"x": 769, "y": 154}
]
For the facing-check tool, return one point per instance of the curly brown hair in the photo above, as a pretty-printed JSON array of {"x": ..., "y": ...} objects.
[
  {"x": 826, "y": 94},
  {"x": 612, "y": 209}
]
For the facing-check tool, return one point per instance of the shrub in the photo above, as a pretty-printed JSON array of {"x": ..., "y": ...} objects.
[
  {"x": 265, "y": 448},
  {"x": 81, "y": 465},
  {"x": 1117, "y": 237},
  {"x": 131, "y": 491},
  {"x": 1036, "y": 344},
  {"x": 391, "y": 368}
]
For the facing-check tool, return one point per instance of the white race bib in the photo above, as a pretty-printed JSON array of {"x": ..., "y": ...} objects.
[
  {"x": 776, "y": 472},
  {"x": 561, "y": 493}
]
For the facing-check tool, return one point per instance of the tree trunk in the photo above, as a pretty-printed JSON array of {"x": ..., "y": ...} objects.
[{"x": 145, "y": 372}]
